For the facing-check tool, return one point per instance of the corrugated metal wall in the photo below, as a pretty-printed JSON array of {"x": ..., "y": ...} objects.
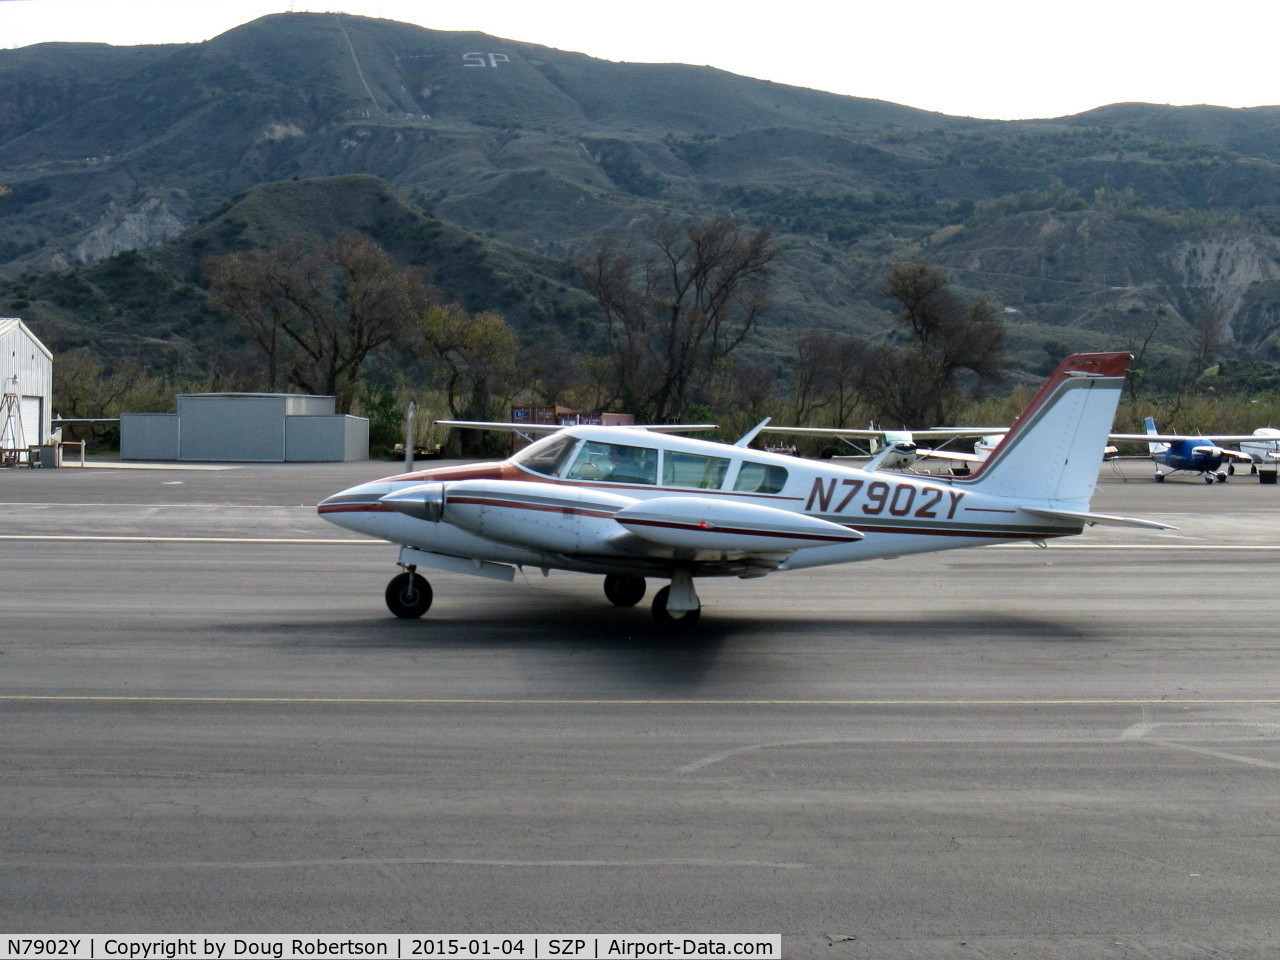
[
  {"x": 24, "y": 356},
  {"x": 246, "y": 428},
  {"x": 317, "y": 438},
  {"x": 149, "y": 436}
]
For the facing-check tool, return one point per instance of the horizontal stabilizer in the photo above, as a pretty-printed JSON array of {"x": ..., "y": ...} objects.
[{"x": 1102, "y": 518}]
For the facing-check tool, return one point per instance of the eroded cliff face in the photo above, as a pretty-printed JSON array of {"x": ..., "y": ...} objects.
[
  {"x": 155, "y": 220},
  {"x": 1232, "y": 281},
  {"x": 1094, "y": 279}
]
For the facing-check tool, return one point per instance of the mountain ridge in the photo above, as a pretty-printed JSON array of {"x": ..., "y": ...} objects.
[{"x": 532, "y": 151}]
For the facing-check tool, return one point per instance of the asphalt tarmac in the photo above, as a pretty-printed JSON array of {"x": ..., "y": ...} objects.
[{"x": 211, "y": 724}]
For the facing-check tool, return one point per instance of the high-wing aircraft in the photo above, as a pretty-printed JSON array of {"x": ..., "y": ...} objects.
[
  {"x": 1191, "y": 452},
  {"x": 1262, "y": 447},
  {"x": 896, "y": 449},
  {"x": 630, "y": 503}
]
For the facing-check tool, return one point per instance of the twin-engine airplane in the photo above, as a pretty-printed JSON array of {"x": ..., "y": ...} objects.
[
  {"x": 1190, "y": 452},
  {"x": 631, "y": 503}
]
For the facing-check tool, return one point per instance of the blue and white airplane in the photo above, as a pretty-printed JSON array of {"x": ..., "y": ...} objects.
[{"x": 1190, "y": 452}]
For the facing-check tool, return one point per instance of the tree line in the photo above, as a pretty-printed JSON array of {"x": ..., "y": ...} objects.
[{"x": 678, "y": 302}]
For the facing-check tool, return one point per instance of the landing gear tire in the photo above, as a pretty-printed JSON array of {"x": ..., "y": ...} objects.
[
  {"x": 1208, "y": 478},
  {"x": 1159, "y": 478},
  {"x": 1221, "y": 478},
  {"x": 682, "y": 620},
  {"x": 624, "y": 591},
  {"x": 409, "y": 596}
]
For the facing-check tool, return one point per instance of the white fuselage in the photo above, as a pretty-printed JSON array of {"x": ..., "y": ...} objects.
[{"x": 727, "y": 510}]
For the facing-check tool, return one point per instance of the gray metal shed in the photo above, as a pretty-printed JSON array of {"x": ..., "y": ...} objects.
[
  {"x": 246, "y": 427},
  {"x": 26, "y": 374}
]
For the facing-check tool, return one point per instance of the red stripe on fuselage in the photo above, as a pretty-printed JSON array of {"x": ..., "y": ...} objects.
[
  {"x": 672, "y": 525},
  {"x": 371, "y": 506}
]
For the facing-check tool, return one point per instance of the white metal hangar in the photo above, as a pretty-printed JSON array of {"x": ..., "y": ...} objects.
[{"x": 26, "y": 376}]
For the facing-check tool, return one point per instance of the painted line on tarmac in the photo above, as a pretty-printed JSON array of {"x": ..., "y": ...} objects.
[
  {"x": 1140, "y": 546},
  {"x": 637, "y": 702},
  {"x": 408, "y": 861}
]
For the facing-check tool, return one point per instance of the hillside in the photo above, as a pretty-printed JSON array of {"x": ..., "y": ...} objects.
[{"x": 526, "y": 153}]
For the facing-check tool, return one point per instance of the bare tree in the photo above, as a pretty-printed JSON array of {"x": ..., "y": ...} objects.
[
  {"x": 920, "y": 382},
  {"x": 674, "y": 313},
  {"x": 828, "y": 377},
  {"x": 316, "y": 314},
  {"x": 1206, "y": 341}
]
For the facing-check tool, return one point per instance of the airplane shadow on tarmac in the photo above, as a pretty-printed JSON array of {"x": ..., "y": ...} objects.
[{"x": 625, "y": 644}]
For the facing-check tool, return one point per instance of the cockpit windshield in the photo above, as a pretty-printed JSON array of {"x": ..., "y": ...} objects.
[{"x": 548, "y": 455}]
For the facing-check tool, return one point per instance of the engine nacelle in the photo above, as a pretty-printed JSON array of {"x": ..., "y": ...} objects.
[
  {"x": 705, "y": 523},
  {"x": 539, "y": 516}
]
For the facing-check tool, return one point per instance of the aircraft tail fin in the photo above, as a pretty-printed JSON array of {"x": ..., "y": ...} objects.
[
  {"x": 1055, "y": 447},
  {"x": 1153, "y": 448}
]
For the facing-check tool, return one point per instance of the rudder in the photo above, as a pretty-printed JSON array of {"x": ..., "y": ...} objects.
[{"x": 1055, "y": 447}]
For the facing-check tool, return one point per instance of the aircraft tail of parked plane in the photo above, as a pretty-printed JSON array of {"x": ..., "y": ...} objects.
[{"x": 630, "y": 503}]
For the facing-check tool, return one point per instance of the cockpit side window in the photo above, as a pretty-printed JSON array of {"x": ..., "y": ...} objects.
[
  {"x": 615, "y": 462},
  {"x": 760, "y": 478},
  {"x": 547, "y": 456},
  {"x": 693, "y": 470}
]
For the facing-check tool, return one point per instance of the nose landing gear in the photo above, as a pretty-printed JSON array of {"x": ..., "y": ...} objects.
[{"x": 409, "y": 595}]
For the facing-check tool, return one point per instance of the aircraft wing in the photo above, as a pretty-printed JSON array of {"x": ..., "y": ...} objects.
[
  {"x": 1097, "y": 518},
  {"x": 555, "y": 427},
  {"x": 1179, "y": 437},
  {"x": 950, "y": 455},
  {"x": 936, "y": 433},
  {"x": 508, "y": 427}
]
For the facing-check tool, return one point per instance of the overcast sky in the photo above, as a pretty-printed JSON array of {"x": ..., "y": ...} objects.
[{"x": 1000, "y": 59}]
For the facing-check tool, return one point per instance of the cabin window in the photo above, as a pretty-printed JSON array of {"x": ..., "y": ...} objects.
[
  {"x": 615, "y": 462},
  {"x": 760, "y": 478},
  {"x": 693, "y": 470},
  {"x": 547, "y": 456}
]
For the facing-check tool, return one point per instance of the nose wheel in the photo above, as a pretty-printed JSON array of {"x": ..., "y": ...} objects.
[{"x": 409, "y": 595}]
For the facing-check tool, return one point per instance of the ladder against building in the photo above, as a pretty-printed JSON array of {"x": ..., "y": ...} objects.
[{"x": 13, "y": 438}]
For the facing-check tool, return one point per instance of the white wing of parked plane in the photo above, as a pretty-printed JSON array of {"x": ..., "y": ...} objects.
[
  {"x": 556, "y": 427},
  {"x": 1179, "y": 437}
]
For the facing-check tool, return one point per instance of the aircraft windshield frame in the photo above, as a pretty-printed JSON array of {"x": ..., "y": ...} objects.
[{"x": 547, "y": 456}]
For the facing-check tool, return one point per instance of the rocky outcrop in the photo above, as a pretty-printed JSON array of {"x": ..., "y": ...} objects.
[{"x": 156, "y": 219}]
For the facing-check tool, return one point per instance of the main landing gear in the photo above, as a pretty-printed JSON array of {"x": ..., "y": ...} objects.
[
  {"x": 674, "y": 606},
  {"x": 409, "y": 596}
]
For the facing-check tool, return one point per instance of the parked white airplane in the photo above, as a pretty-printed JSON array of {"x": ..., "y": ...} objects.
[
  {"x": 895, "y": 449},
  {"x": 628, "y": 503},
  {"x": 1264, "y": 448}
]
